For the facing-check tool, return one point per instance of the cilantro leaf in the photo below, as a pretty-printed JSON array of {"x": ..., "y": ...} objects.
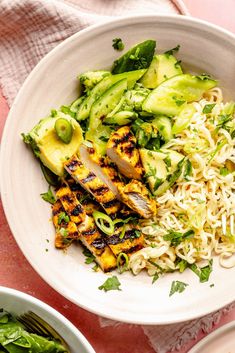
[
  {"x": 112, "y": 283},
  {"x": 177, "y": 286},
  {"x": 178, "y": 101},
  {"x": 48, "y": 196},
  {"x": 208, "y": 108},
  {"x": 188, "y": 169},
  {"x": 203, "y": 77},
  {"x": 155, "y": 277},
  {"x": 177, "y": 237},
  {"x": 224, "y": 171},
  {"x": 173, "y": 177},
  {"x": 118, "y": 44},
  {"x": 204, "y": 272},
  {"x": 172, "y": 51},
  {"x": 89, "y": 256}
]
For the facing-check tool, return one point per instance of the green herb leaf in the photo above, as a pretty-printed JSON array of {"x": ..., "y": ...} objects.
[
  {"x": 177, "y": 237},
  {"x": 48, "y": 196},
  {"x": 63, "y": 232},
  {"x": 172, "y": 51},
  {"x": 208, "y": 108},
  {"x": 177, "y": 286},
  {"x": 178, "y": 101},
  {"x": 63, "y": 217},
  {"x": 89, "y": 256},
  {"x": 173, "y": 177},
  {"x": 112, "y": 283},
  {"x": 104, "y": 138},
  {"x": 66, "y": 110},
  {"x": 224, "y": 171},
  {"x": 204, "y": 272},
  {"x": 188, "y": 170},
  {"x": 137, "y": 233},
  {"x": 155, "y": 277},
  {"x": 118, "y": 44},
  {"x": 183, "y": 264},
  {"x": 203, "y": 77}
]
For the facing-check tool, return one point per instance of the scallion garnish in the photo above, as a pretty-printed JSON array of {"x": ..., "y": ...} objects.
[
  {"x": 122, "y": 262},
  {"x": 103, "y": 222}
]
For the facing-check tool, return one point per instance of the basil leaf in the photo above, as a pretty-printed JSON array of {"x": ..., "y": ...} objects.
[
  {"x": 112, "y": 283},
  {"x": 177, "y": 286}
]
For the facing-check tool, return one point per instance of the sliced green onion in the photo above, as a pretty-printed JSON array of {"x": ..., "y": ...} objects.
[
  {"x": 122, "y": 262},
  {"x": 100, "y": 218},
  {"x": 123, "y": 232}
]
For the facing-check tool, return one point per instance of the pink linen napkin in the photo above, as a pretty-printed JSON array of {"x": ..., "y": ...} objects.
[{"x": 29, "y": 29}]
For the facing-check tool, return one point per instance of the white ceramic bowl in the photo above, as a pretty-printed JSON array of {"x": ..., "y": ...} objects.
[
  {"x": 18, "y": 303},
  {"x": 204, "y": 48}
]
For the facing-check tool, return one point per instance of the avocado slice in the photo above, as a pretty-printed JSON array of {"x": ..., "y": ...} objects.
[
  {"x": 171, "y": 96},
  {"x": 138, "y": 57},
  {"x": 162, "y": 67},
  {"x": 50, "y": 149}
]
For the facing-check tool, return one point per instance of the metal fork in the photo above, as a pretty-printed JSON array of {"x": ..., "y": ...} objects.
[
  {"x": 35, "y": 324},
  {"x": 224, "y": 224}
]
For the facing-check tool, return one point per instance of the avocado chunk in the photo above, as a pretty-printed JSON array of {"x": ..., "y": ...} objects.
[
  {"x": 162, "y": 67},
  {"x": 171, "y": 96},
  {"x": 159, "y": 167},
  {"x": 104, "y": 85},
  {"x": 138, "y": 57},
  {"x": 50, "y": 149}
]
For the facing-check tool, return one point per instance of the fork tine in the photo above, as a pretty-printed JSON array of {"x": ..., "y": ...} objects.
[{"x": 35, "y": 324}]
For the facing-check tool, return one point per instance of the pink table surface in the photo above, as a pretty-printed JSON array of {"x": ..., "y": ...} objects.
[{"x": 15, "y": 271}]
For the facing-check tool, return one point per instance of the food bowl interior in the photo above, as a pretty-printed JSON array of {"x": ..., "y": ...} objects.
[
  {"x": 18, "y": 303},
  {"x": 204, "y": 49}
]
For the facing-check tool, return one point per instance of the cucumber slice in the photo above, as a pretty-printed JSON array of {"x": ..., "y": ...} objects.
[
  {"x": 162, "y": 68},
  {"x": 121, "y": 118},
  {"x": 183, "y": 119},
  {"x": 164, "y": 126},
  {"x": 106, "y": 103},
  {"x": 170, "y": 97},
  {"x": 102, "y": 86},
  {"x": 138, "y": 57},
  {"x": 97, "y": 132}
]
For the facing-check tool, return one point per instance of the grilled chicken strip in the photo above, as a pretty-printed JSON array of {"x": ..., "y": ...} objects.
[
  {"x": 129, "y": 244},
  {"x": 136, "y": 196},
  {"x": 102, "y": 167},
  {"x": 96, "y": 243},
  {"x": 121, "y": 149},
  {"x": 93, "y": 184},
  {"x": 71, "y": 204},
  {"x": 66, "y": 232}
]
